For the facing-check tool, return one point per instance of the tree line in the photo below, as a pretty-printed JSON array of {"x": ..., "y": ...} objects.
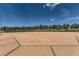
[{"x": 64, "y": 27}]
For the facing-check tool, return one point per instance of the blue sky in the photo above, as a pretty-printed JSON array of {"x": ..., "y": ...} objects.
[{"x": 29, "y": 14}]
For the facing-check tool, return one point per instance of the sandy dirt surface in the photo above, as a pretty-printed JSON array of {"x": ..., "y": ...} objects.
[
  {"x": 7, "y": 44},
  {"x": 39, "y": 43},
  {"x": 33, "y": 51},
  {"x": 46, "y": 38},
  {"x": 78, "y": 36},
  {"x": 66, "y": 50}
]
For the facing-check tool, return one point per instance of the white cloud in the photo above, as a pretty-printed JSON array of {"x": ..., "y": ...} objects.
[
  {"x": 52, "y": 19},
  {"x": 48, "y": 4},
  {"x": 55, "y": 4},
  {"x": 52, "y": 6}
]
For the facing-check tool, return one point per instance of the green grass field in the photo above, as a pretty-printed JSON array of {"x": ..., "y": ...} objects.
[{"x": 45, "y": 30}]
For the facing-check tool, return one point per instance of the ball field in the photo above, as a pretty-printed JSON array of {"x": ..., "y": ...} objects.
[{"x": 39, "y": 44}]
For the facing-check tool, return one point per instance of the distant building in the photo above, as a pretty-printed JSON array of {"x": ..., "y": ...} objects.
[{"x": 69, "y": 27}]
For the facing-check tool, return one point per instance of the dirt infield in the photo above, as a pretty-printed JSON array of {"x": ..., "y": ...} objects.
[
  {"x": 40, "y": 43},
  {"x": 33, "y": 51},
  {"x": 45, "y": 38},
  {"x": 7, "y": 45},
  {"x": 66, "y": 50}
]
